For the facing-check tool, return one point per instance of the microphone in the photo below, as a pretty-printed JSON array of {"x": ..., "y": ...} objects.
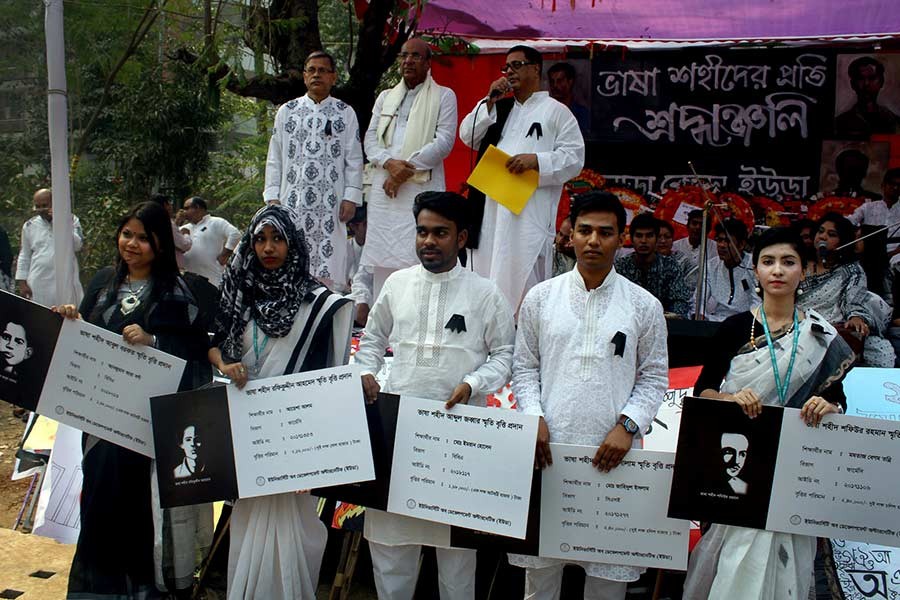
[
  {"x": 822, "y": 248},
  {"x": 495, "y": 93}
]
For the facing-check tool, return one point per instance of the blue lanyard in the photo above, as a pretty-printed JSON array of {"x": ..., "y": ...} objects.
[
  {"x": 257, "y": 350},
  {"x": 782, "y": 389}
]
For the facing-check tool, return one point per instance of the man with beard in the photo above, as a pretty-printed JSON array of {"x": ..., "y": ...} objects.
[
  {"x": 659, "y": 275},
  {"x": 452, "y": 335}
]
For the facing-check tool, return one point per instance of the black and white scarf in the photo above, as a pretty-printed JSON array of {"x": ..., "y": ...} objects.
[{"x": 270, "y": 297}]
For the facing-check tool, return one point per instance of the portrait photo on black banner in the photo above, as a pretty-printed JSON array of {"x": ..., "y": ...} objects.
[
  {"x": 192, "y": 437},
  {"x": 724, "y": 464},
  {"x": 28, "y": 334}
]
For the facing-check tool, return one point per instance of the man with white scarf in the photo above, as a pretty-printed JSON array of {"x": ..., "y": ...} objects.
[{"x": 412, "y": 131}]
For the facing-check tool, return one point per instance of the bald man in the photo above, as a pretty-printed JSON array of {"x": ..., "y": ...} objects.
[{"x": 35, "y": 269}]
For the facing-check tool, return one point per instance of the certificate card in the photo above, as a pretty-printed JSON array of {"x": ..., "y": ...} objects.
[
  {"x": 617, "y": 517},
  {"x": 80, "y": 374},
  {"x": 281, "y": 434},
  {"x": 468, "y": 466},
  {"x": 837, "y": 480}
]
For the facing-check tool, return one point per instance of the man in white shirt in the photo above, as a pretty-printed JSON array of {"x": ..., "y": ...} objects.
[
  {"x": 412, "y": 131},
  {"x": 884, "y": 212},
  {"x": 213, "y": 239},
  {"x": 540, "y": 134},
  {"x": 730, "y": 282},
  {"x": 689, "y": 247},
  {"x": 452, "y": 335},
  {"x": 591, "y": 361},
  {"x": 35, "y": 268},
  {"x": 315, "y": 166},
  {"x": 182, "y": 240}
]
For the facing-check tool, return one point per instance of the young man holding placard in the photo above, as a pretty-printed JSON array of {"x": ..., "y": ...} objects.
[
  {"x": 452, "y": 335},
  {"x": 591, "y": 361}
]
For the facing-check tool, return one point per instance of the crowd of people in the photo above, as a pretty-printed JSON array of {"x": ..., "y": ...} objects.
[{"x": 468, "y": 296}]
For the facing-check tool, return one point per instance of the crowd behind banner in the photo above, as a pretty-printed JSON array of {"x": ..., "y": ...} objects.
[{"x": 469, "y": 295}]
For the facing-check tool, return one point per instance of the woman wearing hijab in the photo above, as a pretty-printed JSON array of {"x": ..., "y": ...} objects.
[
  {"x": 275, "y": 319},
  {"x": 120, "y": 552}
]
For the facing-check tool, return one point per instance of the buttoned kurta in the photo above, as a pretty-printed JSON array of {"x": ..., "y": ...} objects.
[
  {"x": 411, "y": 315},
  {"x": 391, "y": 236},
  {"x": 314, "y": 163},
  {"x": 729, "y": 291},
  {"x": 511, "y": 245},
  {"x": 568, "y": 369},
  {"x": 35, "y": 264}
]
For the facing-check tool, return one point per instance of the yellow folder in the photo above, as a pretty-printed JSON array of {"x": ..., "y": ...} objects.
[{"x": 491, "y": 177}]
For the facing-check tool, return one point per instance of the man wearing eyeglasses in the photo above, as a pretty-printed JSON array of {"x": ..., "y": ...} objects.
[
  {"x": 314, "y": 167},
  {"x": 412, "y": 131},
  {"x": 540, "y": 134},
  {"x": 35, "y": 268}
]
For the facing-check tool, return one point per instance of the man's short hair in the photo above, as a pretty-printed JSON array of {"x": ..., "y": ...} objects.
[
  {"x": 644, "y": 221},
  {"x": 531, "y": 55},
  {"x": 198, "y": 202},
  {"x": 891, "y": 174},
  {"x": 732, "y": 227},
  {"x": 320, "y": 54},
  {"x": 564, "y": 68},
  {"x": 598, "y": 201},
  {"x": 161, "y": 199},
  {"x": 697, "y": 213},
  {"x": 449, "y": 205},
  {"x": 854, "y": 68},
  {"x": 851, "y": 153}
]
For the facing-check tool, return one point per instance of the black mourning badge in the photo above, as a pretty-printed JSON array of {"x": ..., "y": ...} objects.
[
  {"x": 456, "y": 323},
  {"x": 535, "y": 129},
  {"x": 618, "y": 341},
  {"x": 328, "y": 127}
]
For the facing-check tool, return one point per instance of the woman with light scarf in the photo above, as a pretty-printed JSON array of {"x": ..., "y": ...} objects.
[
  {"x": 773, "y": 355},
  {"x": 275, "y": 319}
]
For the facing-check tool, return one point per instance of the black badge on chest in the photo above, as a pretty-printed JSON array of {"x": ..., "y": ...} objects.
[
  {"x": 618, "y": 341},
  {"x": 535, "y": 129},
  {"x": 456, "y": 323}
]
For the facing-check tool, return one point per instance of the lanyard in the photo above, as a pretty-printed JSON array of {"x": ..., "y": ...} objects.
[
  {"x": 257, "y": 350},
  {"x": 782, "y": 389}
]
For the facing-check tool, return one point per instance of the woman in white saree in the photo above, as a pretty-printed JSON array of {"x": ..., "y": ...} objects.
[
  {"x": 275, "y": 319},
  {"x": 772, "y": 355}
]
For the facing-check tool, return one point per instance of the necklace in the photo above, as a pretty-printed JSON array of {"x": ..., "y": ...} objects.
[
  {"x": 132, "y": 300},
  {"x": 782, "y": 388},
  {"x": 257, "y": 349}
]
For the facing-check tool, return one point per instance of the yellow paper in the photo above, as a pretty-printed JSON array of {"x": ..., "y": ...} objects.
[{"x": 493, "y": 179}]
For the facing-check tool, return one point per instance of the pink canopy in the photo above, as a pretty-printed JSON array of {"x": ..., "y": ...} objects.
[{"x": 683, "y": 20}]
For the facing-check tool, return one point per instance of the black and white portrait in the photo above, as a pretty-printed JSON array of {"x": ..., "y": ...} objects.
[
  {"x": 28, "y": 334},
  {"x": 194, "y": 449},
  {"x": 853, "y": 168},
  {"x": 725, "y": 463},
  {"x": 867, "y": 96}
]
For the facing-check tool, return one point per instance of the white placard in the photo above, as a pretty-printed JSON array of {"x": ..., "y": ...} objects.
[
  {"x": 617, "y": 517},
  {"x": 468, "y": 466},
  {"x": 838, "y": 480},
  {"x": 299, "y": 432},
  {"x": 684, "y": 209},
  {"x": 101, "y": 385}
]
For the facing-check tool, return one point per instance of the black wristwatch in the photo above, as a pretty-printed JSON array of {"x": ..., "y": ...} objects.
[{"x": 629, "y": 425}]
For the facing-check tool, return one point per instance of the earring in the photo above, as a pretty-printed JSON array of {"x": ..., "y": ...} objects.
[
  {"x": 799, "y": 291},
  {"x": 757, "y": 290}
]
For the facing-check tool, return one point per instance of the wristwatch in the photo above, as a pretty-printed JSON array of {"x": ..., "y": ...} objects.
[{"x": 629, "y": 425}]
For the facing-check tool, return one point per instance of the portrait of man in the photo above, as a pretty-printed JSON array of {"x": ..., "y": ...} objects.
[
  {"x": 734, "y": 455},
  {"x": 870, "y": 106},
  {"x": 569, "y": 83},
  {"x": 15, "y": 349},
  {"x": 853, "y": 168},
  {"x": 190, "y": 465}
]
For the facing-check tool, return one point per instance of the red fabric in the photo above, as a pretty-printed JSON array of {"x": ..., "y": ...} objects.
[{"x": 562, "y": 211}]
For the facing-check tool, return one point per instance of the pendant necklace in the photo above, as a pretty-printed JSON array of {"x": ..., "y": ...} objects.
[
  {"x": 131, "y": 300},
  {"x": 781, "y": 387},
  {"x": 257, "y": 349}
]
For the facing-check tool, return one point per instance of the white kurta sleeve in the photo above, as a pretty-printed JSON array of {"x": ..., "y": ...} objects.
[
  {"x": 567, "y": 157},
  {"x": 353, "y": 160},
  {"x": 375, "y": 339},
  {"x": 233, "y": 235},
  {"x": 499, "y": 336},
  {"x": 272, "y": 187},
  {"x": 182, "y": 240},
  {"x": 431, "y": 155},
  {"x": 858, "y": 217},
  {"x": 361, "y": 286},
  {"x": 469, "y": 126},
  {"x": 376, "y": 154},
  {"x": 651, "y": 375},
  {"x": 526, "y": 371},
  {"x": 77, "y": 234},
  {"x": 23, "y": 263}
]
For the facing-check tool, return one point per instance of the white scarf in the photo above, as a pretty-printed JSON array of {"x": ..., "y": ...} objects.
[{"x": 423, "y": 117}]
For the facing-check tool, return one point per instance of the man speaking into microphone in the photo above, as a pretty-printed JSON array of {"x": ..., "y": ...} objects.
[{"x": 540, "y": 134}]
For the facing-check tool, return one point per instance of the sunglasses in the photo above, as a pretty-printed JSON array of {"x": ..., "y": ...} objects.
[{"x": 515, "y": 65}]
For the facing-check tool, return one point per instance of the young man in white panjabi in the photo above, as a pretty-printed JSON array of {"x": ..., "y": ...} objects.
[
  {"x": 412, "y": 131},
  {"x": 452, "y": 335},
  {"x": 540, "y": 134},
  {"x": 591, "y": 361},
  {"x": 314, "y": 167}
]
